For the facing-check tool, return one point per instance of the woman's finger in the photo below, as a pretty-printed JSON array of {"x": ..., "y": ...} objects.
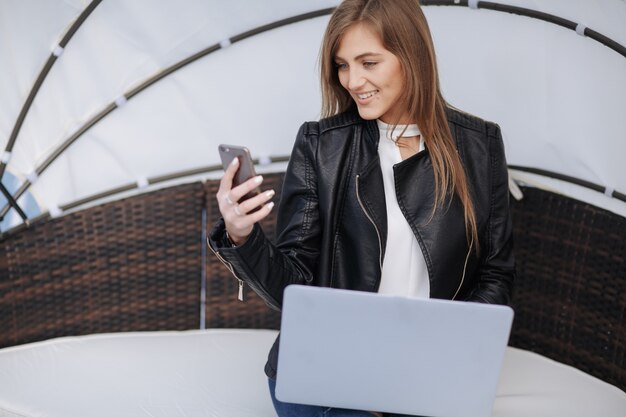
[
  {"x": 259, "y": 215},
  {"x": 250, "y": 204},
  {"x": 236, "y": 193}
]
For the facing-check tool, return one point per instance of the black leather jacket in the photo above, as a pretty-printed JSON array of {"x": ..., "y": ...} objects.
[{"x": 332, "y": 221}]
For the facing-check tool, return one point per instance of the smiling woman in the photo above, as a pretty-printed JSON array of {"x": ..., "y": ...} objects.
[{"x": 376, "y": 196}]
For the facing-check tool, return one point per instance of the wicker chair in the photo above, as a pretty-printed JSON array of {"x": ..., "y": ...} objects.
[{"x": 136, "y": 264}]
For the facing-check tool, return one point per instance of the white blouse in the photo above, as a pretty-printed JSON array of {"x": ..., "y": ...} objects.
[{"x": 404, "y": 270}]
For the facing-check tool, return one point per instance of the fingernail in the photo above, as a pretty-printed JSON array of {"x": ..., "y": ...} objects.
[
  {"x": 235, "y": 161},
  {"x": 270, "y": 193},
  {"x": 258, "y": 179},
  {"x": 270, "y": 206}
]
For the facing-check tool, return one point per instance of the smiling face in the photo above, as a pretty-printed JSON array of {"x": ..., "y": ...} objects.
[{"x": 372, "y": 75}]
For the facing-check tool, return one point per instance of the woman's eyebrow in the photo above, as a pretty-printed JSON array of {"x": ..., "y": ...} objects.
[{"x": 360, "y": 56}]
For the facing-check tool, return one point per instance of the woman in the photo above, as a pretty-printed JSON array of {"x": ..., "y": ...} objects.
[{"x": 393, "y": 191}]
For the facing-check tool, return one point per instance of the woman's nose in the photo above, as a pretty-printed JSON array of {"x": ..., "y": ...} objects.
[{"x": 356, "y": 79}]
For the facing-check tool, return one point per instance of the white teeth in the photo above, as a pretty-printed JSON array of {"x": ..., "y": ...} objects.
[{"x": 369, "y": 94}]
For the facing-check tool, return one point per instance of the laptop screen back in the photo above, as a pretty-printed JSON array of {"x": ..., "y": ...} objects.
[{"x": 367, "y": 351}]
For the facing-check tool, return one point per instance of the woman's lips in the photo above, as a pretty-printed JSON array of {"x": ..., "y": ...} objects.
[{"x": 364, "y": 98}]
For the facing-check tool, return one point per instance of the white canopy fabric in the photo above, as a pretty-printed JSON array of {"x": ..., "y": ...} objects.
[{"x": 559, "y": 97}]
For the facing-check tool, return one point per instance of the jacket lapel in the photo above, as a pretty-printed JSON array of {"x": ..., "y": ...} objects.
[{"x": 441, "y": 235}]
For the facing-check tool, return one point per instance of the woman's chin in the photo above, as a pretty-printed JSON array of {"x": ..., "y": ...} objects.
[{"x": 368, "y": 114}]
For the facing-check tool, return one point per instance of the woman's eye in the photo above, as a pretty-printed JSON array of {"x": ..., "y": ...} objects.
[
  {"x": 341, "y": 66},
  {"x": 369, "y": 64}
]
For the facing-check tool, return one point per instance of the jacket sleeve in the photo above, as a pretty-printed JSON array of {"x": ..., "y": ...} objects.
[
  {"x": 266, "y": 267},
  {"x": 496, "y": 272}
]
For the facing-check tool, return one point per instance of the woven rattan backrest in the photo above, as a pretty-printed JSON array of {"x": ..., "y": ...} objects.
[
  {"x": 570, "y": 294},
  {"x": 133, "y": 264}
]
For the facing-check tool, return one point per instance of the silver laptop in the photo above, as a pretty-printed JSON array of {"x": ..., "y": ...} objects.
[{"x": 368, "y": 351}]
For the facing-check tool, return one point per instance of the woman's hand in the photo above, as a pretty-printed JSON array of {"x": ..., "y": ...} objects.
[{"x": 238, "y": 215}]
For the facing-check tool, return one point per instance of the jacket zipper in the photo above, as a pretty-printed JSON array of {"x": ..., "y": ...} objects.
[
  {"x": 231, "y": 269},
  {"x": 380, "y": 243},
  {"x": 464, "y": 268}
]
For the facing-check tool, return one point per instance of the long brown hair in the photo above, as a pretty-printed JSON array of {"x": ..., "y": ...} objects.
[{"x": 402, "y": 27}]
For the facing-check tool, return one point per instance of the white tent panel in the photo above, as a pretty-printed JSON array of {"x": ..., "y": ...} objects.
[
  {"x": 122, "y": 44},
  {"x": 28, "y": 31},
  {"x": 256, "y": 93},
  {"x": 559, "y": 97}
]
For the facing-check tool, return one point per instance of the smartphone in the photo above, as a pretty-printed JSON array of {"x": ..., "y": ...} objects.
[{"x": 246, "y": 166}]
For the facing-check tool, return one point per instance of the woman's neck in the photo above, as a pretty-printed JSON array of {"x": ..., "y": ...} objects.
[{"x": 394, "y": 132}]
